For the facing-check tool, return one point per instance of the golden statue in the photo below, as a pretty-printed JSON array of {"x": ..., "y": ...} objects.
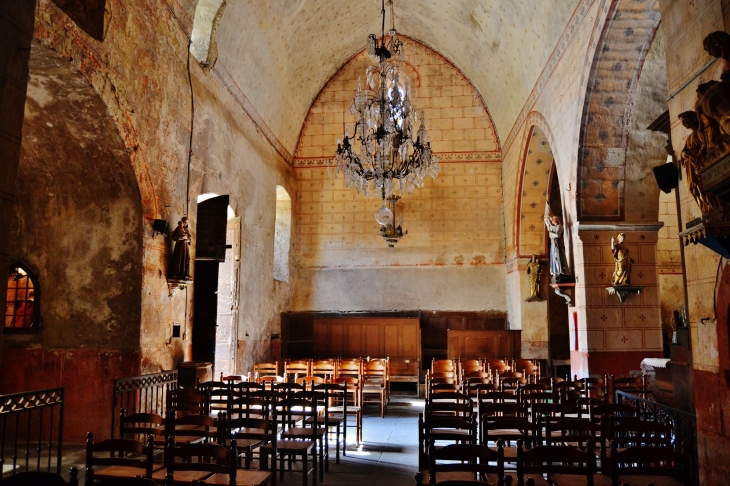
[
  {"x": 622, "y": 270},
  {"x": 714, "y": 97},
  {"x": 533, "y": 274},
  {"x": 694, "y": 158}
]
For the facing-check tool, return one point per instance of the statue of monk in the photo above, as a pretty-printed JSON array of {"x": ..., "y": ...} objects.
[
  {"x": 693, "y": 158},
  {"x": 622, "y": 261}
]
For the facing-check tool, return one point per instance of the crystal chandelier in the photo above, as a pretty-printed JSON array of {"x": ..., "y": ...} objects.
[{"x": 388, "y": 159}]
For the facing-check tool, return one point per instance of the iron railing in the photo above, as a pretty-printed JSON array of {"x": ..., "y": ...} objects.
[
  {"x": 683, "y": 424},
  {"x": 142, "y": 394},
  {"x": 31, "y": 425}
]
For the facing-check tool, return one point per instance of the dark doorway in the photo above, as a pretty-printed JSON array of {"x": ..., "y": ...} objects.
[
  {"x": 557, "y": 307},
  {"x": 210, "y": 250}
]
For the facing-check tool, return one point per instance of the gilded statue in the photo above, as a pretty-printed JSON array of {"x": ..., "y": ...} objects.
[
  {"x": 717, "y": 45},
  {"x": 622, "y": 261},
  {"x": 533, "y": 275},
  {"x": 694, "y": 158},
  {"x": 181, "y": 253},
  {"x": 714, "y": 140}
]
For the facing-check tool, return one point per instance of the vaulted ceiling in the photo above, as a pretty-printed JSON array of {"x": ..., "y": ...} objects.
[{"x": 281, "y": 53}]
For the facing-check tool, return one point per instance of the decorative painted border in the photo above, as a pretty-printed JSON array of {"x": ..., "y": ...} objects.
[{"x": 450, "y": 157}]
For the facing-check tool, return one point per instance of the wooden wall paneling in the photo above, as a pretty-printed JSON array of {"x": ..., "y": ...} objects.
[
  {"x": 372, "y": 344},
  {"x": 483, "y": 344},
  {"x": 392, "y": 340}
]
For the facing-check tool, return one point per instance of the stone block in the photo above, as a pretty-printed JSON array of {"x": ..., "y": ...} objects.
[{"x": 624, "y": 339}]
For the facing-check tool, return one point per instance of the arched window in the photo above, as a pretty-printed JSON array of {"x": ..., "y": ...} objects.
[
  {"x": 21, "y": 300},
  {"x": 207, "y": 15},
  {"x": 282, "y": 235}
]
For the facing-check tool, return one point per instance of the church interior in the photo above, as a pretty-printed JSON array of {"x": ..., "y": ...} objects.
[{"x": 202, "y": 181}]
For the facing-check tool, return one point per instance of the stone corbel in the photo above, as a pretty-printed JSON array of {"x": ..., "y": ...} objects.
[
  {"x": 623, "y": 291},
  {"x": 565, "y": 290},
  {"x": 175, "y": 284}
]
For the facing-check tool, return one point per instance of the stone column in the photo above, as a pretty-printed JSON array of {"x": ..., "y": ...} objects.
[{"x": 614, "y": 336}]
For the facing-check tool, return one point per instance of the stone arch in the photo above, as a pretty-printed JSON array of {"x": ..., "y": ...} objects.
[
  {"x": 536, "y": 170},
  {"x": 78, "y": 201},
  {"x": 612, "y": 86},
  {"x": 202, "y": 40}
]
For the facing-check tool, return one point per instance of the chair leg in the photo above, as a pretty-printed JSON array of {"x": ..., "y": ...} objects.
[{"x": 337, "y": 448}]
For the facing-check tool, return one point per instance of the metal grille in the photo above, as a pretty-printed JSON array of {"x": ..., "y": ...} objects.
[
  {"x": 31, "y": 428},
  {"x": 684, "y": 427},
  {"x": 141, "y": 394}
]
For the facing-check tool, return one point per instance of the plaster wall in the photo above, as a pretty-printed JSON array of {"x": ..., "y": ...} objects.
[
  {"x": 453, "y": 255},
  {"x": 140, "y": 74},
  {"x": 669, "y": 260}
]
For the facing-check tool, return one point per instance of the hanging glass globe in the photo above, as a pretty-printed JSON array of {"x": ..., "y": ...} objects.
[{"x": 384, "y": 216}]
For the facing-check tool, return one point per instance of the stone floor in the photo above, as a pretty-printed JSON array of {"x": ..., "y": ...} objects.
[{"x": 388, "y": 454}]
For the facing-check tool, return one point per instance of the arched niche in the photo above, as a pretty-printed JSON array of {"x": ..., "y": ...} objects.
[{"x": 537, "y": 166}]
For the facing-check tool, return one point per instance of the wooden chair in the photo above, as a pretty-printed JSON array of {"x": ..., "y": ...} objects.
[
  {"x": 250, "y": 433},
  {"x": 269, "y": 368},
  {"x": 218, "y": 394},
  {"x": 543, "y": 415},
  {"x": 324, "y": 369},
  {"x": 649, "y": 464},
  {"x": 187, "y": 429},
  {"x": 349, "y": 368},
  {"x": 254, "y": 406},
  {"x": 333, "y": 394},
  {"x": 635, "y": 385},
  {"x": 509, "y": 430},
  {"x": 115, "y": 452},
  {"x": 375, "y": 384},
  {"x": 283, "y": 413},
  {"x": 215, "y": 465},
  {"x": 563, "y": 465},
  {"x": 187, "y": 401},
  {"x": 39, "y": 478},
  {"x": 246, "y": 388},
  {"x": 448, "y": 408},
  {"x": 466, "y": 462},
  {"x": 528, "y": 401},
  {"x": 350, "y": 406},
  {"x": 138, "y": 426},
  {"x": 293, "y": 369},
  {"x": 310, "y": 381},
  {"x": 310, "y": 425},
  {"x": 574, "y": 432},
  {"x": 449, "y": 429}
]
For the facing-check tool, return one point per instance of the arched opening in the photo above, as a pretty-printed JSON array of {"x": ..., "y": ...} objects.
[
  {"x": 282, "y": 235},
  {"x": 22, "y": 300},
  {"x": 202, "y": 43},
  {"x": 78, "y": 201},
  {"x": 558, "y": 322}
]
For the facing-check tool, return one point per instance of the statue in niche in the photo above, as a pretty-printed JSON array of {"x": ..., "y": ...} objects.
[
  {"x": 693, "y": 158},
  {"x": 181, "y": 253},
  {"x": 533, "y": 275},
  {"x": 622, "y": 261},
  {"x": 555, "y": 231}
]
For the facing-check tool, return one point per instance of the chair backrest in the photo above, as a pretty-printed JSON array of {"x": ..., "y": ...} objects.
[
  {"x": 451, "y": 429},
  {"x": 250, "y": 406},
  {"x": 552, "y": 459},
  {"x": 115, "y": 451},
  {"x": 471, "y": 458},
  {"x": 493, "y": 429},
  {"x": 443, "y": 365},
  {"x": 447, "y": 409},
  {"x": 575, "y": 431},
  {"x": 193, "y": 427},
  {"x": 470, "y": 365},
  {"x": 213, "y": 458},
  {"x": 187, "y": 401},
  {"x": 245, "y": 428},
  {"x": 270, "y": 368},
  {"x": 349, "y": 368},
  {"x": 648, "y": 460},
  {"x": 218, "y": 394},
  {"x": 287, "y": 390},
  {"x": 246, "y": 388},
  {"x": 499, "y": 409},
  {"x": 293, "y": 369},
  {"x": 310, "y": 381},
  {"x": 499, "y": 397},
  {"x": 139, "y": 425},
  {"x": 546, "y": 413},
  {"x": 324, "y": 369}
]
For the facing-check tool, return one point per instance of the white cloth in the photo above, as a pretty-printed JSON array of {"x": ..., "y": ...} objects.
[{"x": 655, "y": 362}]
